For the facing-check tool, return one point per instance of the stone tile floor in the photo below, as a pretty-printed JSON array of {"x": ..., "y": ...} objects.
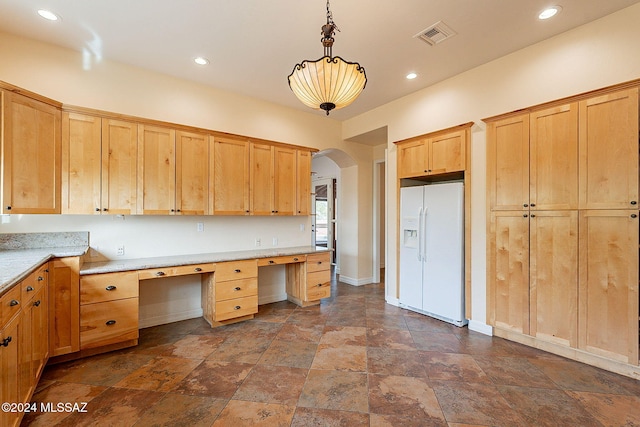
[{"x": 352, "y": 361}]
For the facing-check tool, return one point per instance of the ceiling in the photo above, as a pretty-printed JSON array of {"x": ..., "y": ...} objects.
[{"x": 253, "y": 45}]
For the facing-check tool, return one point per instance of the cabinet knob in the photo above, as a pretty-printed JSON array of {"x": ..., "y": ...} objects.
[
  {"x": 5, "y": 342},
  {"x": 105, "y": 209},
  {"x": 29, "y": 288},
  {"x": 237, "y": 307},
  {"x": 295, "y": 259},
  {"x": 198, "y": 269},
  {"x": 13, "y": 303},
  {"x": 40, "y": 278},
  {"x": 319, "y": 285},
  {"x": 533, "y": 215},
  {"x": 37, "y": 303},
  {"x": 110, "y": 322},
  {"x": 526, "y": 205},
  {"x": 8, "y": 208},
  {"x": 111, "y": 288},
  {"x": 177, "y": 210},
  {"x": 237, "y": 270},
  {"x": 634, "y": 216},
  {"x": 533, "y": 205},
  {"x": 525, "y": 215},
  {"x": 237, "y": 288},
  {"x": 160, "y": 273},
  {"x": 271, "y": 261},
  {"x": 46, "y": 270},
  {"x": 319, "y": 262},
  {"x": 633, "y": 202},
  {"x": 173, "y": 210},
  {"x": 97, "y": 209}
]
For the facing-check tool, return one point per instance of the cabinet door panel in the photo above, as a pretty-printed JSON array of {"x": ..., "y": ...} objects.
[
  {"x": 10, "y": 369},
  {"x": 261, "y": 179},
  {"x": 192, "y": 173},
  {"x": 554, "y": 158},
  {"x": 413, "y": 159},
  {"x": 608, "y": 320},
  {"x": 303, "y": 200},
  {"x": 64, "y": 306},
  {"x": 31, "y": 156},
  {"x": 284, "y": 180},
  {"x": 81, "y": 164},
  {"x": 609, "y": 151},
  {"x": 119, "y": 167},
  {"x": 156, "y": 189},
  {"x": 509, "y": 271},
  {"x": 447, "y": 153},
  {"x": 230, "y": 177},
  {"x": 508, "y": 163},
  {"x": 554, "y": 276}
]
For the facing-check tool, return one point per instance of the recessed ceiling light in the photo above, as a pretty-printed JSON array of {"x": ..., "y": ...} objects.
[
  {"x": 411, "y": 76},
  {"x": 47, "y": 14},
  {"x": 550, "y": 12},
  {"x": 201, "y": 61}
]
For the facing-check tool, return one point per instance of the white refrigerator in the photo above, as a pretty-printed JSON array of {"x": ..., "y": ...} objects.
[{"x": 432, "y": 251}]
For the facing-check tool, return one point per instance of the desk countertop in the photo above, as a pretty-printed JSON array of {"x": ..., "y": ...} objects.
[{"x": 113, "y": 266}]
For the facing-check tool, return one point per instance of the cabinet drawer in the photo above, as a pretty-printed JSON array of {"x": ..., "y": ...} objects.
[
  {"x": 181, "y": 270},
  {"x": 236, "y": 289},
  {"x": 11, "y": 303},
  {"x": 234, "y": 270},
  {"x": 281, "y": 260},
  {"x": 318, "y": 262},
  {"x": 108, "y": 287},
  {"x": 108, "y": 322},
  {"x": 315, "y": 293},
  {"x": 33, "y": 283},
  {"x": 318, "y": 278},
  {"x": 236, "y": 307}
]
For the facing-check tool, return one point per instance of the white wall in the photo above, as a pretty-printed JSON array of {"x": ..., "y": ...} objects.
[{"x": 599, "y": 54}]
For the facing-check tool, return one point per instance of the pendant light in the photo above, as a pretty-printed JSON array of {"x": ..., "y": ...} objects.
[{"x": 330, "y": 82}]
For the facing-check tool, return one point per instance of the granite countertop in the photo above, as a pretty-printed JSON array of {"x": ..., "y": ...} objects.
[
  {"x": 113, "y": 266},
  {"x": 17, "y": 264}
]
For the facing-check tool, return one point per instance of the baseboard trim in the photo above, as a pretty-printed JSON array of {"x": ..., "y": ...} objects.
[
  {"x": 355, "y": 282},
  {"x": 268, "y": 299},
  {"x": 169, "y": 318},
  {"x": 480, "y": 327}
]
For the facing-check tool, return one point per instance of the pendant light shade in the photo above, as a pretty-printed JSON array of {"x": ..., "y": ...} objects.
[{"x": 329, "y": 82}]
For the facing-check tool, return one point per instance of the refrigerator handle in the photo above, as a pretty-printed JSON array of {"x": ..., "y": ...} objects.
[
  {"x": 423, "y": 235},
  {"x": 420, "y": 235}
]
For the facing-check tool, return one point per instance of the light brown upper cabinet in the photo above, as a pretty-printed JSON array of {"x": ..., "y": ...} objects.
[
  {"x": 273, "y": 179},
  {"x": 230, "y": 176},
  {"x": 262, "y": 176},
  {"x": 553, "y": 179},
  {"x": 119, "y": 167},
  {"x": 284, "y": 181},
  {"x": 438, "y": 154},
  {"x": 609, "y": 151},
  {"x": 98, "y": 165},
  {"x": 31, "y": 155},
  {"x": 303, "y": 190},
  {"x": 156, "y": 190},
  {"x": 508, "y": 163},
  {"x": 81, "y": 164},
  {"x": 192, "y": 173}
]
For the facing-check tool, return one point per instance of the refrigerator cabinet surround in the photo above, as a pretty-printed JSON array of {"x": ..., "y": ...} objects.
[{"x": 432, "y": 251}]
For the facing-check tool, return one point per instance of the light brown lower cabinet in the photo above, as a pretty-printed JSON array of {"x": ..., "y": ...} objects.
[
  {"x": 108, "y": 309},
  {"x": 24, "y": 343},
  {"x": 608, "y": 319},
  {"x": 64, "y": 306}
]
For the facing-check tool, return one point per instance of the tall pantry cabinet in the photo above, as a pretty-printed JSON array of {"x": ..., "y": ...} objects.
[{"x": 562, "y": 192}]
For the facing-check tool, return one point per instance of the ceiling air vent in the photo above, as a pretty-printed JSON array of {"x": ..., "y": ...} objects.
[{"x": 436, "y": 33}]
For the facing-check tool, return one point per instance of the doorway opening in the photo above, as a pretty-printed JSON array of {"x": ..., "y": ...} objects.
[{"x": 325, "y": 223}]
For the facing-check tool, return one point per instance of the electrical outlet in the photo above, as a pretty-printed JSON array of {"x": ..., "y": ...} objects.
[
  {"x": 275, "y": 241},
  {"x": 258, "y": 243},
  {"x": 200, "y": 226},
  {"x": 301, "y": 227},
  {"x": 120, "y": 251}
]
